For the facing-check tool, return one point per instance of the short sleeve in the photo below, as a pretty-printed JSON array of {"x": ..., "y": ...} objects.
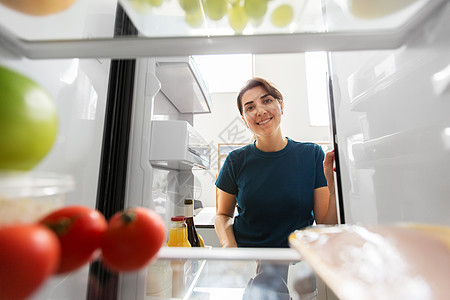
[
  {"x": 226, "y": 181},
  {"x": 320, "y": 176}
]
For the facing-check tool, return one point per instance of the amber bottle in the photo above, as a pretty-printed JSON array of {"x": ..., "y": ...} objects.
[{"x": 192, "y": 232}]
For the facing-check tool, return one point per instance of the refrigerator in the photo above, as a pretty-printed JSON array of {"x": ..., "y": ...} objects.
[{"x": 125, "y": 83}]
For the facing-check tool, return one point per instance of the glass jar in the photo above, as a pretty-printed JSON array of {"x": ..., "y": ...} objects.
[{"x": 178, "y": 232}]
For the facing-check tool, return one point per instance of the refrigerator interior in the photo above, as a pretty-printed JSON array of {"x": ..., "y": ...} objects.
[{"x": 390, "y": 104}]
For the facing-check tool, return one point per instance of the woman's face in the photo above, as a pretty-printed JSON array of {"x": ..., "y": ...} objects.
[{"x": 261, "y": 112}]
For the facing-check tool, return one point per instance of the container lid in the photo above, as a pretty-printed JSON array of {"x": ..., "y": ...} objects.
[
  {"x": 178, "y": 218},
  {"x": 188, "y": 201},
  {"x": 34, "y": 184}
]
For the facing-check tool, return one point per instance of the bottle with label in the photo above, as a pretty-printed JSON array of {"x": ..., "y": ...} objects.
[
  {"x": 178, "y": 236},
  {"x": 192, "y": 232}
]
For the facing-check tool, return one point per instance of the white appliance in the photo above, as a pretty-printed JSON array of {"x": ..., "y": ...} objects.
[
  {"x": 388, "y": 86},
  {"x": 177, "y": 145}
]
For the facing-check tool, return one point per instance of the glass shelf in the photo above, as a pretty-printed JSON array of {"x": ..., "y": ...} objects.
[
  {"x": 217, "y": 273},
  {"x": 86, "y": 29}
]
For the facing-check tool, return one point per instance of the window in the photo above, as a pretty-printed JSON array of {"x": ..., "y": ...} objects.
[
  {"x": 225, "y": 73},
  {"x": 316, "y": 82}
]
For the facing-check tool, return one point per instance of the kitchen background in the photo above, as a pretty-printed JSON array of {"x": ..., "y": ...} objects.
[{"x": 224, "y": 124}]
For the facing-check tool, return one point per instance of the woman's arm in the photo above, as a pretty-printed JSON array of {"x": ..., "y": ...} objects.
[
  {"x": 324, "y": 197},
  {"x": 223, "y": 222}
]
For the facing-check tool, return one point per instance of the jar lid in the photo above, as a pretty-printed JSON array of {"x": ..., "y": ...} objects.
[
  {"x": 178, "y": 218},
  {"x": 188, "y": 201}
]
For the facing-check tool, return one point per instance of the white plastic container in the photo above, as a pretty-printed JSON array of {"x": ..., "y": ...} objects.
[
  {"x": 25, "y": 197},
  {"x": 159, "y": 279}
]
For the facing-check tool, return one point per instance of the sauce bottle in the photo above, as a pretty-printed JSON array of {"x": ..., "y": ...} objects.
[
  {"x": 191, "y": 231},
  {"x": 178, "y": 236}
]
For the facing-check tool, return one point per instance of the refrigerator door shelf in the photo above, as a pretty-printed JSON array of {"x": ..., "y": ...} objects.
[
  {"x": 177, "y": 145},
  {"x": 379, "y": 262},
  {"x": 183, "y": 84},
  {"x": 407, "y": 148}
]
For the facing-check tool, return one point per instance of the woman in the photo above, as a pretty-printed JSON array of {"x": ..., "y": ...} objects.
[{"x": 279, "y": 185}]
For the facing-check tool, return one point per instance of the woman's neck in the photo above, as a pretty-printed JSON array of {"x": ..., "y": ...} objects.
[{"x": 271, "y": 143}]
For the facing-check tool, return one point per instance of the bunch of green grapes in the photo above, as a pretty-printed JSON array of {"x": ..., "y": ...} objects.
[
  {"x": 215, "y": 9},
  {"x": 255, "y": 9},
  {"x": 155, "y": 2},
  {"x": 190, "y": 6},
  {"x": 282, "y": 15},
  {"x": 237, "y": 18},
  {"x": 194, "y": 18},
  {"x": 142, "y": 5},
  {"x": 193, "y": 10},
  {"x": 239, "y": 12}
]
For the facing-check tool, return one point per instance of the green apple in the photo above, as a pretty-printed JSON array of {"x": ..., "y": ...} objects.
[{"x": 28, "y": 121}]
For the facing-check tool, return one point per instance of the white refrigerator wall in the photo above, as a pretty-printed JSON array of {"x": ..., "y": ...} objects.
[
  {"x": 161, "y": 189},
  {"x": 393, "y": 128}
]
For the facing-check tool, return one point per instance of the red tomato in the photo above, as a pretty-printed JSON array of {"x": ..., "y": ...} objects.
[
  {"x": 79, "y": 229},
  {"x": 132, "y": 239},
  {"x": 29, "y": 254}
]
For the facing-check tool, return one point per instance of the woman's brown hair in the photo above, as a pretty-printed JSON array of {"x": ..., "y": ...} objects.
[{"x": 254, "y": 82}]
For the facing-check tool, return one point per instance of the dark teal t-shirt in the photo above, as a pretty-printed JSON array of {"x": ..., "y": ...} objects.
[{"x": 274, "y": 191}]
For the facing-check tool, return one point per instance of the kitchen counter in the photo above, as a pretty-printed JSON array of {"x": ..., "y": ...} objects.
[{"x": 204, "y": 218}]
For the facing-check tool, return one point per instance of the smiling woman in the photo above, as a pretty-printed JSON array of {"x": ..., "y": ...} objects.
[{"x": 278, "y": 184}]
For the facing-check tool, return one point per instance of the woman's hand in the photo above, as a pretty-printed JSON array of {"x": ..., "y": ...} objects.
[
  {"x": 328, "y": 168},
  {"x": 325, "y": 201}
]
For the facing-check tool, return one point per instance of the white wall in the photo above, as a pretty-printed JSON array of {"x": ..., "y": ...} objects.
[{"x": 224, "y": 124}]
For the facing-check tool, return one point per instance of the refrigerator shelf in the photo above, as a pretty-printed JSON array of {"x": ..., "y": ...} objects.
[
  {"x": 214, "y": 273},
  {"x": 331, "y": 26},
  {"x": 265, "y": 254},
  {"x": 183, "y": 84}
]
